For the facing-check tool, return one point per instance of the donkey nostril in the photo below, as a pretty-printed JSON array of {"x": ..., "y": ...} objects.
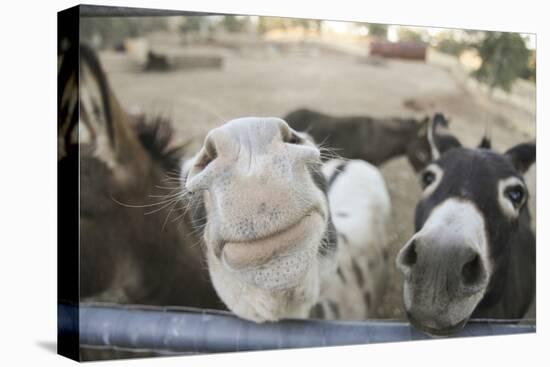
[
  {"x": 204, "y": 161},
  {"x": 472, "y": 270},
  {"x": 410, "y": 255},
  {"x": 208, "y": 155}
]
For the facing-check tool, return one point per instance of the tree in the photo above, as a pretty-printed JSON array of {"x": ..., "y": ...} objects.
[
  {"x": 306, "y": 24},
  {"x": 409, "y": 34},
  {"x": 114, "y": 30},
  {"x": 193, "y": 23},
  {"x": 378, "y": 30},
  {"x": 266, "y": 24},
  {"x": 530, "y": 71},
  {"x": 504, "y": 58},
  {"x": 448, "y": 43},
  {"x": 234, "y": 24}
]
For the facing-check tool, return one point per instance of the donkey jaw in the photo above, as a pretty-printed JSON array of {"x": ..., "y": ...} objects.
[
  {"x": 439, "y": 316},
  {"x": 268, "y": 293},
  {"x": 261, "y": 305},
  {"x": 437, "y": 332}
]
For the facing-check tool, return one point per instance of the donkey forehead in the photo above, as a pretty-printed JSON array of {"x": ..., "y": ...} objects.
[
  {"x": 477, "y": 167},
  {"x": 253, "y": 131},
  {"x": 473, "y": 175}
]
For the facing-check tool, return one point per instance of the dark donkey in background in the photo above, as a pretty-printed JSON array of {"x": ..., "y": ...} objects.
[
  {"x": 131, "y": 249},
  {"x": 375, "y": 140},
  {"x": 473, "y": 253}
]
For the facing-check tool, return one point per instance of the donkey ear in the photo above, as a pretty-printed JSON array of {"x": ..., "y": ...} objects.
[
  {"x": 67, "y": 98},
  {"x": 439, "y": 138},
  {"x": 95, "y": 105},
  {"x": 485, "y": 143},
  {"x": 103, "y": 122},
  {"x": 431, "y": 138},
  {"x": 422, "y": 127},
  {"x": 522, "y": 156}
]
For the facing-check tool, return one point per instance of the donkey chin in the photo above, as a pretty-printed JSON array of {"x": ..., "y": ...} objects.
[
  {"x": 272, "y": 276},
  {"x": 439, "y": 316}
]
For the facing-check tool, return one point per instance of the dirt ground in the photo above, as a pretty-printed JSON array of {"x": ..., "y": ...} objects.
[{"x": 267, "y": 82}]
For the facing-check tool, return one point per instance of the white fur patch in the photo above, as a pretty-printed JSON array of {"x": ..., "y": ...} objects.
[
  {"x": 457, "y": 221},
  {"x": 438, "y": 173},
  {"x": 431, "y": 141},
  {"x": 505, "y": 205},
  {"x": 359, "y": 201},
  {"x": 360, "y": 207}
]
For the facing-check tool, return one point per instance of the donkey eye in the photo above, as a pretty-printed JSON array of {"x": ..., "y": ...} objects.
[
  {"x": 427, "y": 178},
  {"x": 516, "y": 194}
]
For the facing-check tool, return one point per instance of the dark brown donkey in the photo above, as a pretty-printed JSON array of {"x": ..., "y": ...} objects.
[
  {"x": 375, "y": 140},
  {"x": 136, "y": 242}
]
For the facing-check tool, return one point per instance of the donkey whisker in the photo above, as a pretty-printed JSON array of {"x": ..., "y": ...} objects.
[
  {"x": 168, "y": 216},
  {"x": 140, "y": 206},
  {"x": 161, "y": 208}
]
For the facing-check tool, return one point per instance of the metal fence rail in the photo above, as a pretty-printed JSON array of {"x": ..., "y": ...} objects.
[{"x": 191, "y": 330}]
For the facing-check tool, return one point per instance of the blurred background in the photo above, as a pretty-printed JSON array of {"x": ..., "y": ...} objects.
[{"x": 201, "y": 71}]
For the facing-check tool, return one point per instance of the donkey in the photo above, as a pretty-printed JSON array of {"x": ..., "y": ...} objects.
[
  {"x": 269, "y": 238},
  {"x": 131, "y": 250},
  {"x": 286, "y": 236},
  {"x": 375, "y": 140},
  {"x": 473, "y": 253}
]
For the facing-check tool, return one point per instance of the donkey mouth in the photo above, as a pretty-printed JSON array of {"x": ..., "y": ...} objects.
[
  {"x": 437, "y": 332},
  {"x": 257, "y": 252}
]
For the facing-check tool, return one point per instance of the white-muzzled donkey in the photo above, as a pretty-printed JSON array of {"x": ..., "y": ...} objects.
[{"x": 285, "y": 235}]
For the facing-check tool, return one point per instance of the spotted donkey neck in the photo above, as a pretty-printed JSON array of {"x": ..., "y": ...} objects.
[{"x": 284, "y": 235}]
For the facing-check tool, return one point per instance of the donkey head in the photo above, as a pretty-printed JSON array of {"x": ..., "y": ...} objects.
[
  {"x": 266, "y": 216},
  {"x": 471, "y": 215},
  {"x": 418, "y": 149},
  {"x": 114, "y": 169},
  {"x": 126, "y": 255}
]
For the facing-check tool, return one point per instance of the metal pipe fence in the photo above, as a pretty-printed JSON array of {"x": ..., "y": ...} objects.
[{"x": 179, "y": 330}]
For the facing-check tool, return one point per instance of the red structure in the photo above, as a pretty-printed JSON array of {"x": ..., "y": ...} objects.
[{"x": 399, "y": 50}]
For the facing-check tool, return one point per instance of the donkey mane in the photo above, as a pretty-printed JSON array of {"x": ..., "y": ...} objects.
[{"x": 156, "y": 135}]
